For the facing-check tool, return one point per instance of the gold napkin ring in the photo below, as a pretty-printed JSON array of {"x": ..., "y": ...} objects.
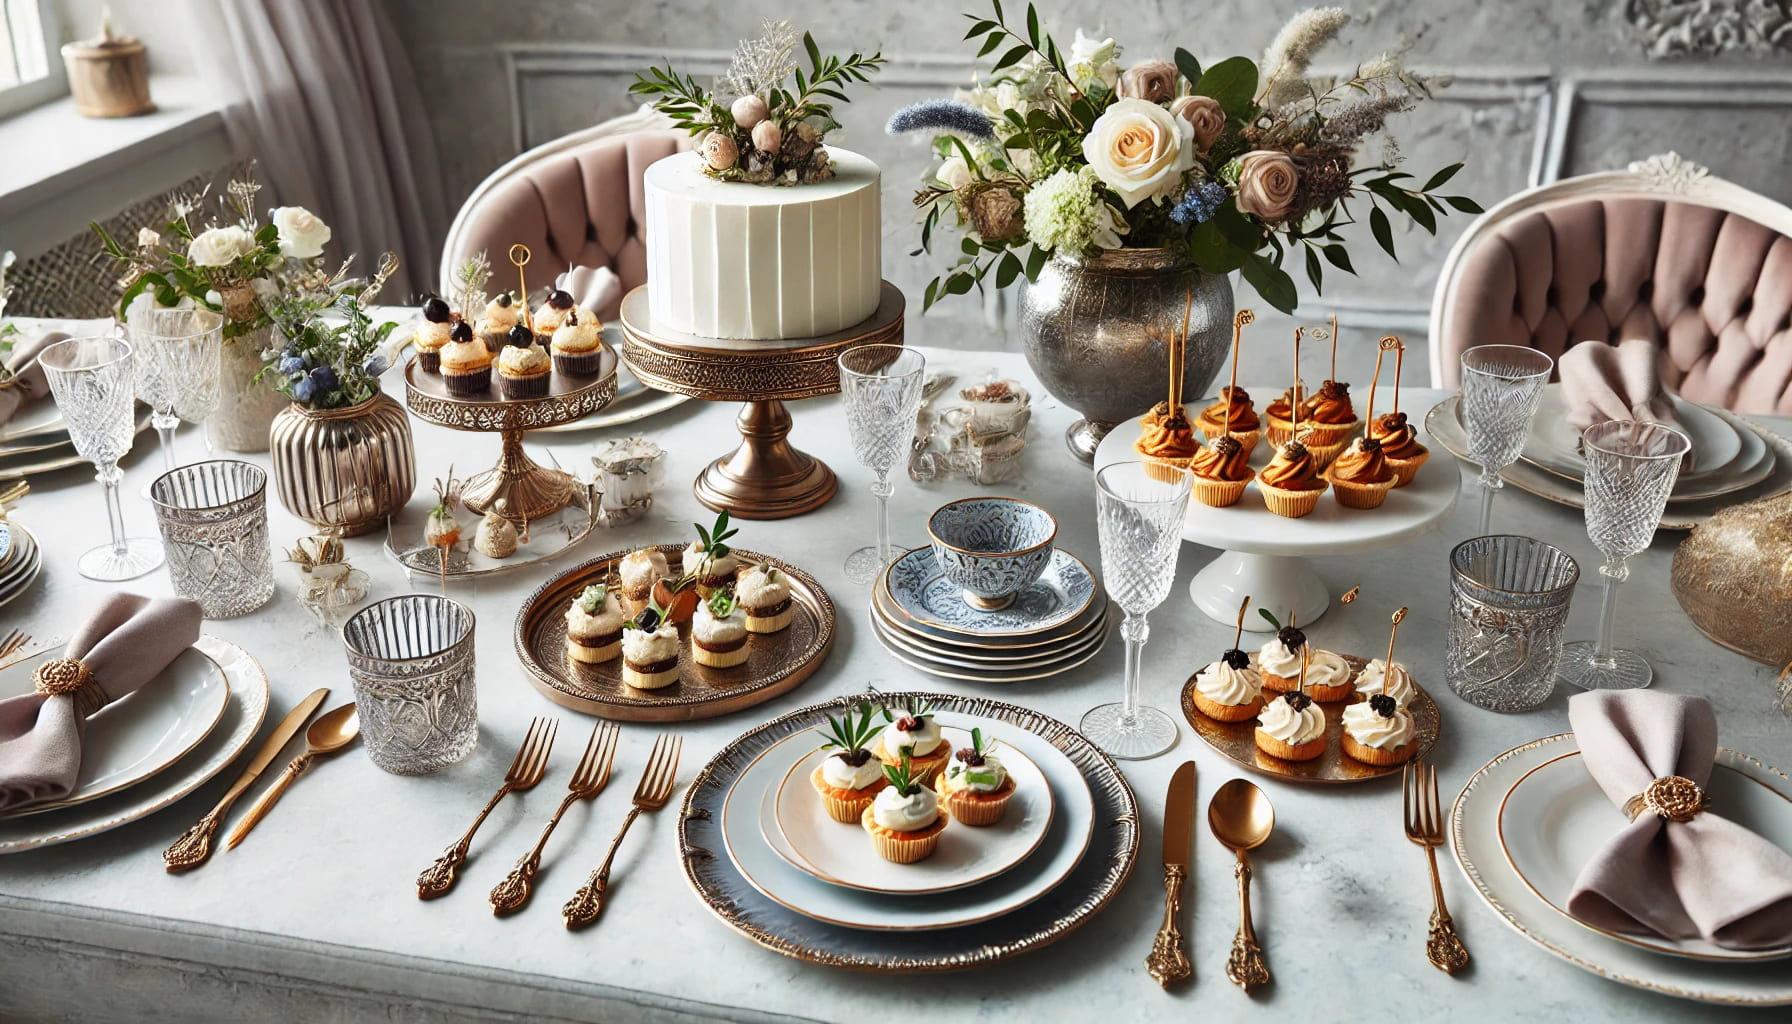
[
  {"x": 59, "y": 677},
  {"x": 1671, "y": 797}
]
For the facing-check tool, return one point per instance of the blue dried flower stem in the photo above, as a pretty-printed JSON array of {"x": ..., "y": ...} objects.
[{"x": 949, "y": 116}]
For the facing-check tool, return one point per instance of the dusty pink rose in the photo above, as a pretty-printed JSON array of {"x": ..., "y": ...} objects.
[
  {"x": 1204, "y": 114},
  {"x": 1153, "y": 81},
  {"x": 767, "y": 137},
  {"x": 1266, "y": 183},
  {"x": 718, "y": 151}
]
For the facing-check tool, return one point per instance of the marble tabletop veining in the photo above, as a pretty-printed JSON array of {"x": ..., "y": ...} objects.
[{"x": 315, "y": 916}]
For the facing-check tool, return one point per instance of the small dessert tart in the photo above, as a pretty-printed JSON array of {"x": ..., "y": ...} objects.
[
  {"x": 709, "y": 560},
  {"x": 1361, "y": 476},
  {"x": 975, "y": 787},
  {"x": 640, "y": 570},
  {"x": 1329, "y": 416},
  {"x": 678, "y": 596},
  {"x": 594, "y": 626},
  {"x": 1328, "y": 677},
  {"x": 465, "y": 363},
  {"x": 552, "y": 314},
  {"x": 1166, "y": 436},
  {"x": 719, "y": 633},
  {"x": 649, "y": 650},
  {"x": 1379, "y": 731},
  {"x": 578, "y": 345},
  {"x": 851, "y": 777},
  {"x": 1280, "y": 416},
  {"x": 1278, "y": 660},
  {"x": 1229, "y": 690},
  {"x": 765, "y": 594},
  {"x": 441, "y": 529},
  {"x": 496, "y": 536},
  {"x": 1247, "y": 428},
  {"x": 1292, "y": 728},
  {"x": 914, "y": 736},
  {"x": 523, "y": 367},
  {"x": 1291, "y": 483},
  {"x": 1221, "y": 471},
  {"x": 904, "y": 818},
  {"x": 1379, "y": 677},
  {"x": 432, "y": 333},
  {"x": 1400, "y": 446},
  {"x": 501, "y": 314}
]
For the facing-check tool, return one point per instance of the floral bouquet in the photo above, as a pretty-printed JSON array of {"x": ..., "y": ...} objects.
[
  {"x": 334, "y": 353},
  {"x": 1237, "y": 166},
  {"x": 753, "y": 128}
]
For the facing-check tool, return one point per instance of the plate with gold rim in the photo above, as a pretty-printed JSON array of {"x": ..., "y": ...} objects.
[
  {"x": 921, "y": 596},
  {"x": 1024, "y": 645},
  {"x": 1582, "y": 820},
  {"x": 990, "y": 673},
  {"x": 1021, "y": 658}
]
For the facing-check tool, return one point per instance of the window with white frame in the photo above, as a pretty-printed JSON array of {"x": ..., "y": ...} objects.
[{"x": 30, "y": 67}]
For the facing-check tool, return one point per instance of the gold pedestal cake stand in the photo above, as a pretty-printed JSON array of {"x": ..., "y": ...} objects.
[
  {"x": 529, "y": 491},
  {"x": 765, "y": 478}
]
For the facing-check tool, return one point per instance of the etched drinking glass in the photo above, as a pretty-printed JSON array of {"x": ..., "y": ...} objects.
[
  {"x": 1509, "y": 599},
  {"x": 411, "y": 659},
  {"x": 1139, "y": 509},
  {"x": 882, "y": 388},
  {"x": 176, "y": 358},
  {"x": 1501, "y": 387},
  {"x": 1631, "y": 469},
  {"x": 214, "y": 520},
  {"x": 91, "y": 379}
]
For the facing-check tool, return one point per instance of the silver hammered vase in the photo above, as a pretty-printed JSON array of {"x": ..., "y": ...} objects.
[
  {"x": 344, "y": 470},
  {"x": 1096, "y": 331}
]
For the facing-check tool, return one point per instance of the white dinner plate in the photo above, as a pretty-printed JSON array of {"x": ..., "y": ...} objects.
[
  {"x": 1025, "y": 658},
  {"x": 33, "y": 421},
  {"x": 842, "y": 854},
  {"x": 243, "y": 714},
  {"x": 1554, "y": 443},
  {"x": 1475, "y": 837},
  {"x": 139, "y": 734},
  {"x": 22, "y": 566},
  {"x": 986, "y": 673},
  {"x": 1582, "y": 820},
  {"x": 1072, "y": 827}
]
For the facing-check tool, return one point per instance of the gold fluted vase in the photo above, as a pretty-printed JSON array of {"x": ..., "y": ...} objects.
[{"x": 344, "y": 470}]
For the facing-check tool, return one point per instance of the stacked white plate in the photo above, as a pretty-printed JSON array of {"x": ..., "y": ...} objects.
[
  {"x": 1056, "y": 624},
  {"x": 36, "y": 440},
  {"x": 20, "y": 560}
]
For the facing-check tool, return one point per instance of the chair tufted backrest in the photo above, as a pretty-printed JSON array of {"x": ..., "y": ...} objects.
[
  {"x": 1712, "y": 285},
  {"x": 575, "y": 202}
]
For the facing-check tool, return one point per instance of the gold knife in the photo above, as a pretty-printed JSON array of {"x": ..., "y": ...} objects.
[
  {"x": 193, "y": 848},
  {"x": 1168, "y": 962}
]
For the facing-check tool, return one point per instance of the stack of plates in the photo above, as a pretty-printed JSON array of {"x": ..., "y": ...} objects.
[
  {"x": 1056, "y": 624},
  {"x": 149, "y": 748},
  {"x": 763, "y": 854},
  {"x": 36, "y": 440},
  {"x": 20, "y": 560}
]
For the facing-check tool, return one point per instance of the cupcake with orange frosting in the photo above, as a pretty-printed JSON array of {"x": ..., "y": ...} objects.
[
  {"x": 1361, "y": 477},
  {"x": 1399, "y": 446},
  {"x": 1330, "y": 420},
  {"x": 1247, "y": 428},
  {"x": 1166, "y": 436},
  {"x": 1291, "y": 483},
  {"x": 1221, "y": 471},
  {"x": 1280, "y": 413}
]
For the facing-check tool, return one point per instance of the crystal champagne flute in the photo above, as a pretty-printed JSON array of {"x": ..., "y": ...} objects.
[
  {"x": 1501, "y": 387},
  {"x": 175, "y": 353},
  {"x": 882, "y": 388},
  {"x": 91, "y": 379},
  {"x": 1631, "y": 469},
  {"x": 1139, "y": 511}
]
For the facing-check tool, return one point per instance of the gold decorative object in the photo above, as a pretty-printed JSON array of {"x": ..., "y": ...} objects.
[
  {"x": 108, "y": 76},
  {"x": 328, "y": 585},
  {"x": 588, "y": 780},
  {"x": 1425, "y": 826},
  {"x": 331, "y": 732},
  {"x": 776, "y": 662},
  {"x": 1168, "y": 961},
  {"x": 1241, "y": 818},
  {"x": 525, "y": 772},
  {"x": 344, "y": 470},
  {"x": 765, "y": 478},
  {"x": 194, "y": 846},
  {"x": 1733, "y": 577},
  {"x": 651, "y": 794},
  {"x": 1673, "y": 797},
  {"x": 60, "y": 677}
]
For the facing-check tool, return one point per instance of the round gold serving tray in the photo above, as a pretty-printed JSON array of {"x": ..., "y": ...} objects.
[
  {"x": 775, "y": 664},
  {"x": 1238, "y": 740}
]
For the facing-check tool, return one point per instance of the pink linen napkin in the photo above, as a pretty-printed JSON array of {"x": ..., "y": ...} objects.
[
  {"x": 30, "y": 384},
  {"x": 1708, "y": 877},
  {"x": 1616, "y": 382},
  {"x": 595, "y": 288},
  {"x": 126, "y": 643}
]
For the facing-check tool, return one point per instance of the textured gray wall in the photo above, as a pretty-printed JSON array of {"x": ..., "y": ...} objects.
[{"x": 1542, "y": 90}]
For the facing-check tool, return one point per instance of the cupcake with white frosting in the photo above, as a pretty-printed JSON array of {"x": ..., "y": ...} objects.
[
  {"x": 1379, "y": 731},
  {"x": 765, "y": 594},
  {"x": 719, "y": 632},
  {"x": 1379, "y": 677},
  {"x": 501, "y": 314},
  {"x": 578, "y": 344},
  {"x": 975, "y": 787},
  {"x": 1292, "y": 728},
  {"x": 1229, "y": 690},
  {"x": 851, "y": 777},
  {"x": 640, "y": 570},
  {"x": 523, "y": 367},
  {"x": 1329, "y": 677},
  {"x": 1278, "y": 660},
  {"x": 649, "y": 650},
  {"x": 594, "y": 626},
  {"x": 904, "y": 818},
  {"x": 553, "y": 312},
  {"x": 914, "y": 735}
]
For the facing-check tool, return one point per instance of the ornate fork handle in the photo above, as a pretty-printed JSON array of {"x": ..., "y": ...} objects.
[
  {"x": 588, "y": 902},
  {"x": 1245, "y": 966},
  {"x": 1168, "y": 962},
  {"x": 1442, "y": 946},
  {"x": 440, "y": 876},
  {"x": 509, "y": 896},
  {"x": 194, "y": 845}
]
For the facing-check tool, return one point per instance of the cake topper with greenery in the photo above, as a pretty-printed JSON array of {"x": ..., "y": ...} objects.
[{"x": 752, "y": 127}]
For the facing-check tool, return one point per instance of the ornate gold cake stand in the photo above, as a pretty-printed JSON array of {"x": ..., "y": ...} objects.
[
  {"x": 530, "y": 491},
  {"x": 765, "y": 478}
]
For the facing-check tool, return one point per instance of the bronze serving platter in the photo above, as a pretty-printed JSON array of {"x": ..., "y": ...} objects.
[
  {"x": 568, "y": 398},
  {"x": 775, "y": 664},
  {"x": 1238, "y": 740}
]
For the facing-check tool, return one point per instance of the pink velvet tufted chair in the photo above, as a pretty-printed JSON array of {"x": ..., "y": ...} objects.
[
  {"x": 1661, "y": 251},
  {"x": 575, "y": 202}
]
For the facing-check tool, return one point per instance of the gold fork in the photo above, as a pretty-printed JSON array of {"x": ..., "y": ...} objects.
[
  {"x": 12, "y": 643},
  {"x": 530, "y": 765},
  {"x": 651, "y": 795},
  {"x": 1424, "y": 826},
  {"x": 588, "y": 779}
]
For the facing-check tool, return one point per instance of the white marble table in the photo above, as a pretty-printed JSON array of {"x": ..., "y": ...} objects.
[{"x": 315, "y": 917}]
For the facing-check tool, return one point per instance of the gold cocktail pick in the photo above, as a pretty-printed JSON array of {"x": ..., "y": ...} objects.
[
  {"x": 1351, "y": 595},
  {"x": 1180, "y": 350},
  {"x": 1306, "y": 655},
  {"x": 1239, "y": 319},
  {"x": 1334, "y": 372},
  {"x": 1394, "y": 631},
  {"x": 1399, "y": 359},
  {"x": 519, "y": 256},
  {"x": 1294, "y": 402},
  {"x": 1238, "y": 634},
  {"x": 1382, "y": 347}
]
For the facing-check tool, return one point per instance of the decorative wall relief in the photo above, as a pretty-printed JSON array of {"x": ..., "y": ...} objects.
[{"x": 1707, "y": 28}]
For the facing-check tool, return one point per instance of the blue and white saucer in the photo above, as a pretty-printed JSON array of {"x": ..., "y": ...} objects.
[{"x": 922, "y": 599}]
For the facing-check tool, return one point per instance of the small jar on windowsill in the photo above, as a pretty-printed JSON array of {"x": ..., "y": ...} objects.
[{"x": 108, "y": 76}]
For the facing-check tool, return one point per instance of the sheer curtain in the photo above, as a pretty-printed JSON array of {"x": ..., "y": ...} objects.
[{"x": 326, "y": 100}]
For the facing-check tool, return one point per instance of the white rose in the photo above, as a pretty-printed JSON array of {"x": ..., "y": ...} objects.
[
  {"x": 220, "y": 247},
  {"x": 264, "y": 289},
  {"x": 1093, "y": 60},
  {"x": 302, "y": 235},
  {"x": 954, "y": 173},
  {"x": 1139, "y": 150},
  {"x": 148, "y": 238}
]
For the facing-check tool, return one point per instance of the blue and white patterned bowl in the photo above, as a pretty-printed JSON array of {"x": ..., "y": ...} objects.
[{"x": 993, "y": 548}]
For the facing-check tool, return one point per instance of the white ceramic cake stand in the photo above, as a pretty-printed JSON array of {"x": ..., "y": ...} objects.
[{"x": 1265, "y": 555}]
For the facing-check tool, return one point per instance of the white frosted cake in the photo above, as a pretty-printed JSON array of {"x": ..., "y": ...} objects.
[{"x": 762, "y": 262}]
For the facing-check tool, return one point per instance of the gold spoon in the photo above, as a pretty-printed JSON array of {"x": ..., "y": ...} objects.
[
  {"x": 1241, "y": 819},
  {"x": 332, "y": 731}
]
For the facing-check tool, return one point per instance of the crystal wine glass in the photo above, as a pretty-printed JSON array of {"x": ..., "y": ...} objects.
[
  {"x": 1501, "y": 386},
  {"x": 91, "y": 379},
  {"x": 882, "y": 388},
  {"x": 1631, "y": 469},
  {"x": 1139, "y": 509},
  {"x": 176, "y": 357}
]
